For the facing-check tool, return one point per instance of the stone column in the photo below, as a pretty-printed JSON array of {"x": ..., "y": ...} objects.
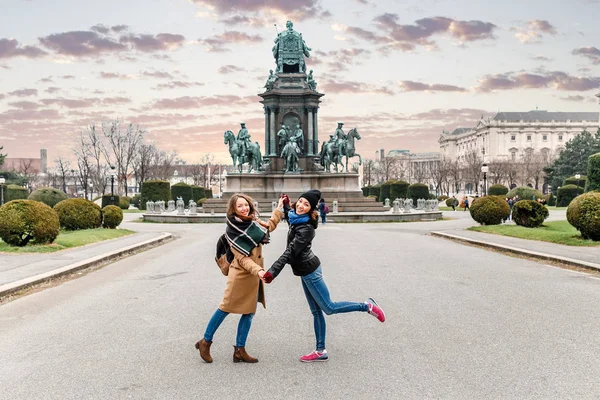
[
  {"x": 310, "y": 132},
  {"x": 316, "y": 130},
  {"x": 273, "y": 148},
  {"x": 267, "y": 137}
]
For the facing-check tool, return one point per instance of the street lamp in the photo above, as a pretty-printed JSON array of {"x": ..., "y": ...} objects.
[
  {"x": 2, "y": 181},
  {"x": 74, "y": 180},
  {"x": 577, "y": 176},
  {"x": 484, "y": 169},
  {"x": 112, "y": 185}
]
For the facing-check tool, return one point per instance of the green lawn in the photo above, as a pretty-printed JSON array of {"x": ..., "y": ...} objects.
[
  {"x": 554, "y": 232},
  {"x": 69, "y": 239}
]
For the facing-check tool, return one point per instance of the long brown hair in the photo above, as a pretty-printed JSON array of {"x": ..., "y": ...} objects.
[
  {"x": 252, "y": 213},
  {"x": 231, "y": 206}
]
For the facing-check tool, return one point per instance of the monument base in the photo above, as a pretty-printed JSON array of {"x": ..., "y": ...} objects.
[{"x": 266, "y": 187}]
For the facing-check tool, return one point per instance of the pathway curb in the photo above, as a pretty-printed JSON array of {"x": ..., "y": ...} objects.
[
  {"x": 15, "y": 286},
  {"x": 516, "y": 250}
]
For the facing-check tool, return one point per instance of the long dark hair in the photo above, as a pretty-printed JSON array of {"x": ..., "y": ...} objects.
[{"x": 313, "y": 216}]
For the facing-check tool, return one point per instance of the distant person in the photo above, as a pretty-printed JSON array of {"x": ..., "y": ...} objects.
[
  {"x": 454, "y": 203},
  {"x": 323, "y": 210},
  {"x": 466, "y": 204}
]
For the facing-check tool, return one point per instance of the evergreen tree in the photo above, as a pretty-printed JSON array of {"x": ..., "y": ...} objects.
[{"x": 573, "y": 159}]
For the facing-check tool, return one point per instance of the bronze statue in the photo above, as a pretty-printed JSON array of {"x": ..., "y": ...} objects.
[
  {"x": 290, "y": 49},
  {"x": 283, "y": 136},
  {"x": 270, "y": 80},
  {"x": 291, "y": 152},
  {"x": 311, "y": 81},
  {"x": 242, "y": 152}
]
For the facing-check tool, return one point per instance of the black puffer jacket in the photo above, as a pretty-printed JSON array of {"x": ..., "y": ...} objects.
[{"x": 298, "y": 252}]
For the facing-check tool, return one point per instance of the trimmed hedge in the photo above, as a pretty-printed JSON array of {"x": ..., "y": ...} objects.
[
  {"x": 574, "y": 181},
  {"x": 365, "y": 190},
  {"x": 48, "y": 196},
  {"x": 135, "y": 200},
  {"x": 198, "y": 192},
  {"x": 593, "y": 173},
  {"x": 489, "y": 210},
  {"x": 375, "y": 191},
  {"x": 566, "y": 194},
  {"x": 584, "y": 214},
  {"x": 155, "y": 191},
  {"x": 399, "y": 190},
  {"x": 75, "y": 214},
  {"x": 529, "y": 213},
  {"x": 497, "y": 190},
  {"x": 443, "y": 198},
  {"x": 108, "y": 200},
  {"x": 28, "y": 221},
  {"x": 418, "y": 191},
  {"x": 525, "y": 193},
  {"x": 208, "y": 193},
  {"x": 14, "y": 192},
  {"x": 385, "y": 191},
  {"x": 552, "y": 200},
  {"x": 112, "y": 217},
  {"x": 182, "y": 190}
]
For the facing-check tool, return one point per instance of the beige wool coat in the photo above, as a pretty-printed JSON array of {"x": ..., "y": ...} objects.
[{"x": 244, "y": 288}]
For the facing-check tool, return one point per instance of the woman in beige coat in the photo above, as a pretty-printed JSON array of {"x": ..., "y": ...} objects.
[{"x": 246, "y": 234}]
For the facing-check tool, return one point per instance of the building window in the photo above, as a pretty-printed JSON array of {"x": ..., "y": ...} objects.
[
  {"x": 529, "y": 138},
  {"x": 560, "y": 137},
  {"x": 513, "y": 155},
  {"x": 513, "y": 138},
  {"x": 544, "y": 137}
]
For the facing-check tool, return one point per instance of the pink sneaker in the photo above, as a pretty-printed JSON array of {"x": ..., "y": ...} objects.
[
  {"x": 315, "y": 356},
  {"x": 375, "y": 310}
]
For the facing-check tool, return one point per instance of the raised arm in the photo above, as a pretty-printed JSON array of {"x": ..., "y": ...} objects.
[{"x": 304, "y": 236}]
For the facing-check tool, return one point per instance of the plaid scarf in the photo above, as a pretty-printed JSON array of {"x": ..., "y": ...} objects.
[{"x": 245, "y": 235}]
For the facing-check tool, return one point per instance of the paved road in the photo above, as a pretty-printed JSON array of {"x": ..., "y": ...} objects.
[{"x": 463, "y": 323}]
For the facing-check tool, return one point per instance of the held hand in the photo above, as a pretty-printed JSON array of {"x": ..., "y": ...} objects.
[{"x": 261, "y": 274}]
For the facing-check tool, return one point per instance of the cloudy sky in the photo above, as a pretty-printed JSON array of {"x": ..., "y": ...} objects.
[{"x": 187, "y": 70}]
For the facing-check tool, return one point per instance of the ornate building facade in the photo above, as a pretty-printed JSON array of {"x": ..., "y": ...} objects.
[{"x": 509, "y": 135}]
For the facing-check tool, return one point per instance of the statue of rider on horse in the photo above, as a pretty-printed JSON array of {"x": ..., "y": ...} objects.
[{"x": 339, "y": 145}]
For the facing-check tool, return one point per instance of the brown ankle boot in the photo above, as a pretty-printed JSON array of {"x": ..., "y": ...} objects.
[
  {"x": 240, "y": 355},
  {"x": 204, "y": 348}
]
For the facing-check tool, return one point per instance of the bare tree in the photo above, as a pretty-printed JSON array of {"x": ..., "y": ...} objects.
[
  {"x": 90, "y": 146},
  {"x": 163, "y": 165},
  {"x": 439, "y": 172},
  {"x": 122, "y": 147},
  {"x": 142, "y": 163},
  {"x": 387, "y": 169},
  {"x": 455, "y": 175},
  {"x": 368, "y": 172},
  {"x": 419, "y": 171},
  {"x": 472, "y": 168},
  {"x": 62, "y": 167}
]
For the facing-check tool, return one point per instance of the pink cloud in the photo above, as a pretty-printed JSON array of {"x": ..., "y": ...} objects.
[
  {"x": 207, "y": 101},
  {"x": 590, "y": 52},
  {"x": 23, "y": 93},
  {"x": 533, "y": 31},
  {"x": 228, "y": 69},
  {"x": 296, "y": 10},
  {"x": 11, "y": 48},
  {"x": 218, "y": 43},
  {"x": 557, "y": 80},
  {"x": 410, "y": 86},
  {"x": 25, "y": 105},
  {"x": 152, "y": 43},
  {"x": 81, "y": 43},
  {"x": 178, "y": 84}
]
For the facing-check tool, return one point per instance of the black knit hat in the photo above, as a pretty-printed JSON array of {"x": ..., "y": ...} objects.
[{"x": 313, "y": 197}]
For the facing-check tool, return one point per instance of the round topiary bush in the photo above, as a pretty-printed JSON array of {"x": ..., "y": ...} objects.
[
  {"x": 28, "y": 221},
  {"x": 15, "y": 192},
  {"x": 124, "y": 202},
  {"x": 75, "y": 214},
  {"x": 489, "y": 210},
  {"x": 155, "y": 191},
  {"x": 48, "y": 196},
  {"x": 449, "y": 202},
  {"x": 182, "y": 190},
  {"x": 552, "y": 200},
  {"x": 198, "y": 192},
  {"x": 529, "y": 213},
  {"x": 566, "y": 194},
  {"x": 525, "y": 193},
  {"x": 418, "y": 191},
  {"x": 113, "y": 216},
  {"x": 584, "y": 214},
  {"x": 398, "y": 190},
  {"x": 593, "y": 173},
  {"x": 443, "y": 198},
  {"x": 497, "y": 190}
]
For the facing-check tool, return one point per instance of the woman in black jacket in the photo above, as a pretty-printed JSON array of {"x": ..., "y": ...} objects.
[{"x": 303, "y": 220}]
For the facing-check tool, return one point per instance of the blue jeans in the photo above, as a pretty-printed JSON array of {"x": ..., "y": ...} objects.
[
  {"x": 323, "y": 218},
  {"x": 320, "y": 302},
  {"x": 242, "y": 330}
]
